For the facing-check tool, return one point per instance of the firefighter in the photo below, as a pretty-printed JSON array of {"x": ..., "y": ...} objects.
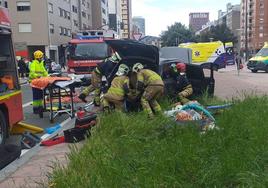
[
  {"x": 37, "y": 70},
  {"x": 104, "y": 68},
  {"x": 115, "y": 95},
  {"x": 152, "y": 85},
  {"x": 184, "y": 88}
]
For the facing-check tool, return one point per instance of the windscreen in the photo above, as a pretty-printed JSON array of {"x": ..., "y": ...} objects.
[
  {"x": 89, "y": 51},
  {"x": 263, "y": 52}
]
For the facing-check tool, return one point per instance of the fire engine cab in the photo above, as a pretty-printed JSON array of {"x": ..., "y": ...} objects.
[{"x": 87, "y": 49}]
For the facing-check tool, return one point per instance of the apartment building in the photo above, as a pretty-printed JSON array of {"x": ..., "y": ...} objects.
[
  {"x": 139, "y": 24},
  {"x": 115, "y": 17},
  {"x": 126, "y": 8},
  {"x": 197, "y": 20},
  {"x": 47, "y": 24},
  {"x": 254, "y": 18},
  {"x": 100, "y": 14}
]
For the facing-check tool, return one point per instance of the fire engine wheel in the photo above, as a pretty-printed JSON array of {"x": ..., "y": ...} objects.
[{"x": 3, "y": 128}]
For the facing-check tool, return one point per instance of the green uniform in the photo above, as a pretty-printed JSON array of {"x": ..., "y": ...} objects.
[
  {"x": 117, "y": 92},
  {"x": 153, "y": 89}
]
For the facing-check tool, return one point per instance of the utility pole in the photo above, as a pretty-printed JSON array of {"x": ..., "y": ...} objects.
[{"x": 246, "y": 31}]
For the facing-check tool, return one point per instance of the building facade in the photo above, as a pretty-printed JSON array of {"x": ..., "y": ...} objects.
[
  {"x": 254, "y": 18},
  {"x": 115, "y": 18},
  {"x": 126, "y": 12},
  {"x": 197, "y": 20},
  {"x": 139, "y": 23},
  {"x": 47, "y": 24},
  {"x": 100, "y": 14}
]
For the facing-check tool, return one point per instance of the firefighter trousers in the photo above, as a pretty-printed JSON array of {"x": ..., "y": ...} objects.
[
  {"x": 95, "y": 86},
  {"x": 149, "y": 99},
  {"x": 185, "y": 93}
]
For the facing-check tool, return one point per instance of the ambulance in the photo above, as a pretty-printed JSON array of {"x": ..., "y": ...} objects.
[
  {"x": 260, "y": 60},
  {"x": 211, "y": 52}
]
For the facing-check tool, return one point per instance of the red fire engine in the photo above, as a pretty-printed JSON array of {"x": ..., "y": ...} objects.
[
  {"x": 10, "y": 94},
  {"x": 87, "y": 49}
]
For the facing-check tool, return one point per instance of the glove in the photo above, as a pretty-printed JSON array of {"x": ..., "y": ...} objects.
[{"x": 82, "y": 96}]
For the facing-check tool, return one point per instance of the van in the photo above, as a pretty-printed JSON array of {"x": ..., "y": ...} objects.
[
  {"x": 260, "y": 60},
  {"x": 210, "y": 52}
]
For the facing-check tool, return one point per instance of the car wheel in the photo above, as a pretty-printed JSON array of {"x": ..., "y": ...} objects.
[
  {"x": 266, "y": 68},
  {"x": 254, "y": 71},
  {"x": 3, "y": 128}
]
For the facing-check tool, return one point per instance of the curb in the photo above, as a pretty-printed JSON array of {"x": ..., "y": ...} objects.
[{"x": 26, "y": 155}]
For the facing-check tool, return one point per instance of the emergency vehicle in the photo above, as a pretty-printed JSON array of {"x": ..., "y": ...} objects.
[
  {"x": 211, "y": 52},
  {"x": 10, "y": 94},
  {"x": 260, "y": 60},
  {"x": 87, "y": 49}
]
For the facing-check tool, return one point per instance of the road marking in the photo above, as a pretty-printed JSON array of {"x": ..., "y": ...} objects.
[{"x": 26, "y": 104}]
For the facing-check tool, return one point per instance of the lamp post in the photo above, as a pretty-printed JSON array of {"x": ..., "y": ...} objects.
[{"x": 246, "y": 31}]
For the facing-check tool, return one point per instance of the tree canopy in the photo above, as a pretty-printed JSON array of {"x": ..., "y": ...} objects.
[
  {"x": 176, "y": 34},
  {"x": 218, "y": 33}
]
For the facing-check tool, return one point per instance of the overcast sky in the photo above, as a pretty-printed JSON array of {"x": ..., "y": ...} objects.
[{"x": 159, "y": 14}]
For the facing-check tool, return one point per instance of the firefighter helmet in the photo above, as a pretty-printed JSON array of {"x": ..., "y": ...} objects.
[
  {"x": 137, "y": 67},
  {"x": 122, "y": 70},
  {"x": 38, "y": 54}
]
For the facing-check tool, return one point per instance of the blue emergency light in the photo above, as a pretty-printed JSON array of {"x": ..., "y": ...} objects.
[{"x": 82, "y": 37}]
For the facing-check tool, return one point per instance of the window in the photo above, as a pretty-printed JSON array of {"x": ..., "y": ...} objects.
[
  {"x": 61, "y": 31},
  {"x": 103, "y": 11},
  {"x": 69, "y": 32},
  {"x": 50, "y": 7},
  {"x": 76, "y": 23},
  {"x": 23, "y": 6},
  {"x": 88, "y": 5},
  {"x": 84, "y": 14},
  {"x": 88, "y": 16},
  {"x": 51, "y": 28},
  {"x": 84, "y": 2},
  {"x": 84, "y": 26},
  {"x": 75, "y": 10},
  {"x": 103, "y": 21},
  {"x": 25, "y": 27},
  {"x": 67, "y": 15},
  {"x": 61, "y": 12}
]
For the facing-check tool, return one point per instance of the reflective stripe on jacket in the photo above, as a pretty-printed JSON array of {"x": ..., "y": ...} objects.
[
  {"x": 119, "y": 87},
  {"x": 149, "y": 77},
  {"x": 37, "y": 69}
]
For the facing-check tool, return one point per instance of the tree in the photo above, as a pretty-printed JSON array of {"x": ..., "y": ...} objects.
[
  {"x": 177, "y": 34},
  {"x": 219, "y": 33}
]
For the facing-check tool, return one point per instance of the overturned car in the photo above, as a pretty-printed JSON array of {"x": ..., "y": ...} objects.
[{"x": 200, "y": 76}]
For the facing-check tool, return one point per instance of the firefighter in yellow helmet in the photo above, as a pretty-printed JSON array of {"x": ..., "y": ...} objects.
[
  {"x": 153, "y": 87},
  {"x": 115, "y": 95},
  {"x": 104, "y": 68},
  {"x": 37, "y": 70}
]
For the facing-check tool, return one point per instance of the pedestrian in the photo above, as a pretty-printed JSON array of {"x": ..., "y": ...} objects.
[
  {"x": 183, "y": 88},
  {"x": 238, "y": 62},
  {"x": 37, "y": 70},
  {"x": 105, "y": 68},
  {"x": 116, "y": 94},
  {"x": 152, "y": 86},
  {"x": 21, "y": 67}
]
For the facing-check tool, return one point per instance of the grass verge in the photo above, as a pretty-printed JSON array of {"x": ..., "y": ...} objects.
[{"x": 128, "y": 150}]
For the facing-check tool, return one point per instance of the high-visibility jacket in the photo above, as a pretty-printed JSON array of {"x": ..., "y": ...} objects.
[
  {"x": 37, "y": 70},
  {"x": 119, "y": 88},
  {"x": 149, "y": 77}
]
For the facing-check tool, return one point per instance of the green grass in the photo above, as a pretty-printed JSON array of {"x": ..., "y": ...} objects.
[{"x": 128, "y": 150}]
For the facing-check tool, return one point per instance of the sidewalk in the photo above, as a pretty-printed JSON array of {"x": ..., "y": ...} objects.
[{"x": 35, "y": 172}]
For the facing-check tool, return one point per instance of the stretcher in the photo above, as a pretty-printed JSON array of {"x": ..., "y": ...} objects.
[{"x": 53, "y": 94}]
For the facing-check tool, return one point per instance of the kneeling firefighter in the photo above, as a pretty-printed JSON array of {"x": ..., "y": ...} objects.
[
  {"x": 183, "y": 86},
  {"x": 115, "y": 95},
  {"x": 104, "y": 68},
  {"x": 37, "y": 70},
  {"x": 152, "y": 85}
]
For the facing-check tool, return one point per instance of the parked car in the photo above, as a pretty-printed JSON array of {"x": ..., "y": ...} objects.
[{"x": 259, "y": 61}]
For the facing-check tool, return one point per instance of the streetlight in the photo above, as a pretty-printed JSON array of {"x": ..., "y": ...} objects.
[{"x": 246, "y": 31}]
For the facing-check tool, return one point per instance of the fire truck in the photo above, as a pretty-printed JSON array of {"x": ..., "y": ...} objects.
[
  {"x": 87, "y": 49},
  {"x": 10, "y": 94}
]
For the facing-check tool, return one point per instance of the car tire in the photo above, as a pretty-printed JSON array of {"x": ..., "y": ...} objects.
[
  {"x": 3, "y": 128},
  {"x": 254, "y": 71},
  {"x": 266, "y": 69}
]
